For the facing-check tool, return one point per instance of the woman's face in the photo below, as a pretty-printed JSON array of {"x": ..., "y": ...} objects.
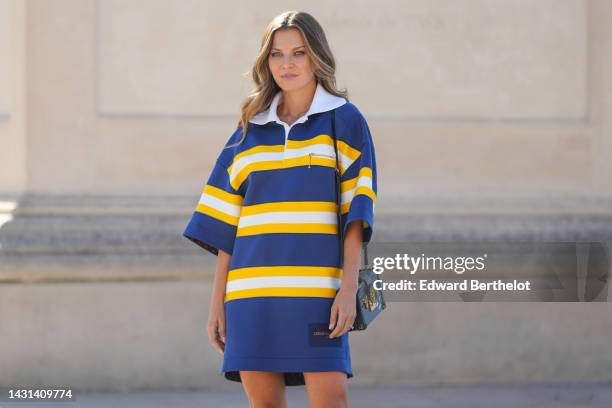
[{"x": 288, "y": 60}]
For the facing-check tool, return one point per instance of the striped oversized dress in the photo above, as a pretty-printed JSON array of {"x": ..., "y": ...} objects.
[{"x": 271, "y": 203}]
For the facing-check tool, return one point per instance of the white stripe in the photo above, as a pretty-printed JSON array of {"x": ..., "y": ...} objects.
[
  {"x": 366, "y": 181},
  {"x": 283, "y": 281},
  {"x": 285, "y": 217},
  {"x": 220, "y": 205},
  {"x": 244, "y": 161},
  {"x": 345, "y": 161},
  {"x": 324, "y": 149},
  {"x": 347, "y": 196}
]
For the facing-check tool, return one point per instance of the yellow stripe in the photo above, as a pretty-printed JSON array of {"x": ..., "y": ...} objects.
[
  {"x": 348, "y": 184},
  {"x": 363, "y": 190},
  {"x": 308, "y": 160},
  {"x": 221, "y": 216},
  {"x": 260, "y": 271},
  {"x": 294, "y": 162},
  {"x": 320, "y": 139},
  {"x": 257, "y": 149},
  {"x": 305, "y": 160},
  {"x": 322, "y": 161},
  {"x": 347, "y": 150},
  {"x": 344, "y": 208},
  {"x": 281, "y": 291},
  {"x": 365, "y": 172},
  {"x": 223, "y": 195},
  {"x": 257, "y": 166},
  {"x": 289, "y": 206},
  {"x": 351, "y": 183},
  {"x": 288, "y": 228}
]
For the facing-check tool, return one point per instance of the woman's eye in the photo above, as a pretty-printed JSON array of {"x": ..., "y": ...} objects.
[{"x": 277, "y": 54}]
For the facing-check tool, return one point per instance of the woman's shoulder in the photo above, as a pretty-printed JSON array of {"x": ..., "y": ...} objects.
[
  {"x": 349, "y": 112},
  {"x": 231, "y": 148},
  {"x": 237, "y": 143},
  {"x": 352, "y": 124}
]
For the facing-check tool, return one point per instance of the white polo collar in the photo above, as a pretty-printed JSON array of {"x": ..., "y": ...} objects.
[{"x": 322, "y": 101}]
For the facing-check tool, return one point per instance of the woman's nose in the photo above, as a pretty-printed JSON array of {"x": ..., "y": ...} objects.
[{"x": 288, "y": 61}]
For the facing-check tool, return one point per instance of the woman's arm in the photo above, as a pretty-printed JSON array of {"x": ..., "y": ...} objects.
[
  {"x": 216, "y": 315},
  {"x": 344, "y": 308}
]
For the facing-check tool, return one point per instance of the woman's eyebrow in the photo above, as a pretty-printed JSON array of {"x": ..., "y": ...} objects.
[{"x": 278, "y": 49}]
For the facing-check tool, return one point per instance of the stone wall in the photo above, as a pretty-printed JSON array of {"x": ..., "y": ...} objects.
[{"x": 492, "y": 121}]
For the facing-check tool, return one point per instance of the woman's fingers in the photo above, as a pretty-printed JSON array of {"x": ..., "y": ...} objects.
[
  {"x": 342, "y": 321},
  {"x": 333, "y": 317},
  {"x": 345, "y": 321},
  {"x": 348, "y": 323},
  {"x": 212, "y": 330},
  {"x": 222, "y": 329},
  {"x": 213, "y": 336}
]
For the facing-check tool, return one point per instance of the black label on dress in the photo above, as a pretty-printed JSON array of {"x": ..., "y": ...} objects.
[{"x": 318, "y": 336}]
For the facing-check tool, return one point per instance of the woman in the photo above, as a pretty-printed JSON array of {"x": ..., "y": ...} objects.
[{"x": 284, "y": 293}]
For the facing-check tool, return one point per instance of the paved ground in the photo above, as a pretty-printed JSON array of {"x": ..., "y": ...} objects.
[{"x": 540, "y": 396}]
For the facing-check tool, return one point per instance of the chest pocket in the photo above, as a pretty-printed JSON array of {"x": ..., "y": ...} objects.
[
  {"x": 317, "y": 151},
  {"x": 327, "y": 159}
]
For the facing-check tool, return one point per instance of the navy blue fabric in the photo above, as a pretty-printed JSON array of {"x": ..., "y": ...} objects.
[{"x": 277, "y": 333}]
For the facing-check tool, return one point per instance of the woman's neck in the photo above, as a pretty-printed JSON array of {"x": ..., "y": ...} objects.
[{"x": 296, "y": 103}]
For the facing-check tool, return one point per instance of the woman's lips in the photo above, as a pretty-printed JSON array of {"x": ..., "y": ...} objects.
[{"x": 288, "y": 76}]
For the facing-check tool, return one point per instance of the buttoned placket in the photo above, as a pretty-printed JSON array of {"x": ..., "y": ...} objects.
[
  {"x": 287, "y": 128},
  {"x": 322, "y": 102}
]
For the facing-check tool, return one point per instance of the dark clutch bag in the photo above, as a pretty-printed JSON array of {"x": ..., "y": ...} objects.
[{"x": 370, "y": 302}]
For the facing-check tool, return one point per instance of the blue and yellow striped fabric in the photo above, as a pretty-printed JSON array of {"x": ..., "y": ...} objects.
[{"x": 270, "y": 202}]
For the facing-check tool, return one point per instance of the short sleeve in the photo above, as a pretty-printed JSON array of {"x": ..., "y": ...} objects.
[
  {"x": 358, "y": 179},
  {"x": 214, "y": 221}
]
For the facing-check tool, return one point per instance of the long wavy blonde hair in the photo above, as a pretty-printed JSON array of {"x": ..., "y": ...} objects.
[{"x": 317, "y": 49}]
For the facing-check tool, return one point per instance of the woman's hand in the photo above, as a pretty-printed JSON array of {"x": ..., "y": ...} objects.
[
  {"x": 216, "y": 314},
  {"x": 344, "y": 308},
  {"x": 216, "y": 326},
  {"x": 343, "y": 311}
]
